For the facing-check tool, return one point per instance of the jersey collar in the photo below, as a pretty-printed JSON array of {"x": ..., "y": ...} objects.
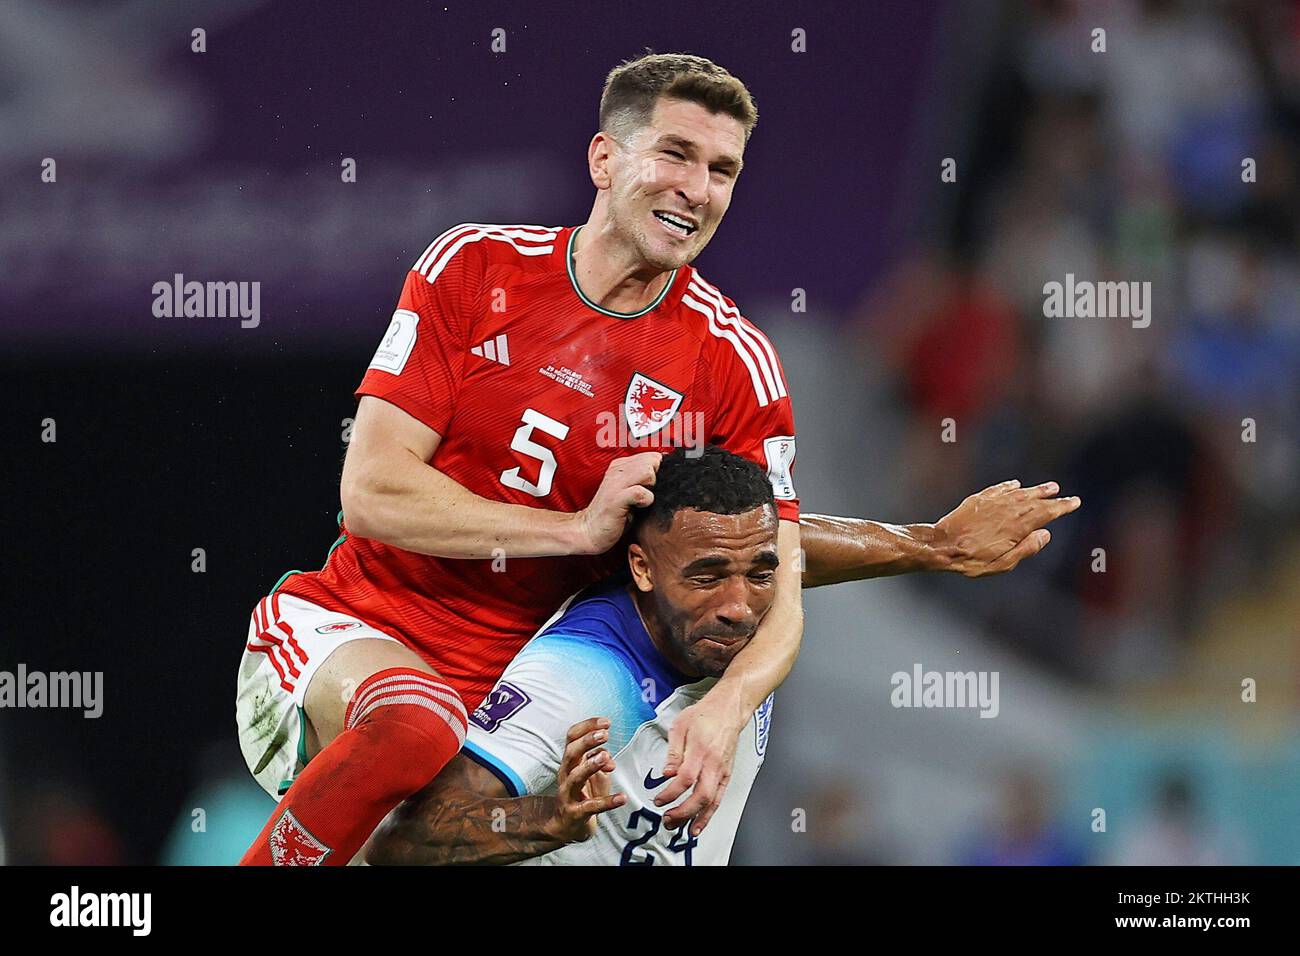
[{"x": 573, "y": 281}]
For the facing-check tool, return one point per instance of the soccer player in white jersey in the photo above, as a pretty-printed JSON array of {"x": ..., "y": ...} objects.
[{"x": 565, "y": 756}]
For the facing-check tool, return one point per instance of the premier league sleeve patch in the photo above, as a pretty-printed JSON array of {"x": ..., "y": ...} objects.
[{"x": 503, "y": 702}]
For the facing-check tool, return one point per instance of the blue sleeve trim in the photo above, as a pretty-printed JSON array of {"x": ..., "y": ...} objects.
[{"x": 513, "y": 784}]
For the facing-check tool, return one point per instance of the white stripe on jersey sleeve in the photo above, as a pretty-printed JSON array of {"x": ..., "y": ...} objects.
[
  {"x": 710, "y": 312},
  {"x": 432, "y": 261},
  {"x": 540, "y": 233},
  {"x": 757, "y": 341}
]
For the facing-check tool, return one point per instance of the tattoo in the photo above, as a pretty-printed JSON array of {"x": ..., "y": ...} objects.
[{"x": 464, "y": 816}]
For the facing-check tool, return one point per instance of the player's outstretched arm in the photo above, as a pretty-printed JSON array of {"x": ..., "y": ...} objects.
[
  {"x": 988, "y": 533},
  {"x": 391, "y": 493},
  {"x": 465, "y": 815}
]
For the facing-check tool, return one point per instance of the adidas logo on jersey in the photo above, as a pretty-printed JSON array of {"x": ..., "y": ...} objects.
[{"x": 494, "y": 350}]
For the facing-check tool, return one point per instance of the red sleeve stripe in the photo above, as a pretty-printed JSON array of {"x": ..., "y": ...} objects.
[
  {"x": 261, "y": 649},
  {"x": 756, "y": 339},
  {"x": 444, "y": 248}
]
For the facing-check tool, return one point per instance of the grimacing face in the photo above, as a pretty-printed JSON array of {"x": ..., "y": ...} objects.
[
  {"x": 683, "y": 164},
  {"x": 705, "y": 584}
]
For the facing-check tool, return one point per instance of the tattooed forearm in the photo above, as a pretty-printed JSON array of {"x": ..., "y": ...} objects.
[{"x": 457, "y": 827}]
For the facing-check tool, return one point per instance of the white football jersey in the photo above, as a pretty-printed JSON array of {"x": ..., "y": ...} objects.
[{"x": 595, "y": 659}]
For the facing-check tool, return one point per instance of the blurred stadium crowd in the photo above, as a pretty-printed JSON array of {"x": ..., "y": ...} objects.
[
  {"x": 1180, "y": 577},
  {"x": 1122, "y": 166}
]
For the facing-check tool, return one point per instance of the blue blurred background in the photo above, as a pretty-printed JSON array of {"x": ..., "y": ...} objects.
[{"x": 1120, "y": 690}]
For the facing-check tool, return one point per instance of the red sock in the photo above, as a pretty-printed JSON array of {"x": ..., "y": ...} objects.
[{"x": 401, "y": 727}]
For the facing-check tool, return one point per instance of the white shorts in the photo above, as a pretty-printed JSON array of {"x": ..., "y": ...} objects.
[{"x": 288, "y": 639}]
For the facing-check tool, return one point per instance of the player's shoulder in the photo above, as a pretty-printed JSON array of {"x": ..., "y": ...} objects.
[
  {"x": 716, "y": 314},
  {"x": 479, "y": 244},
  {"x": 592, "y": 631},
  {"x": 579, "y": 667},
  {"x": 704, "y": 292},
  {"x": 732, "y": 342},
  {"x": 600, "y": 632}
]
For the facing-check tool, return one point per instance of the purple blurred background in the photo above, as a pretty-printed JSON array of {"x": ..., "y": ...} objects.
[{"x": 225, "y": 165}]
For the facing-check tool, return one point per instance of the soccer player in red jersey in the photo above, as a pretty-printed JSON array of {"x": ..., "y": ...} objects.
[{"x": 495, "y": 459}]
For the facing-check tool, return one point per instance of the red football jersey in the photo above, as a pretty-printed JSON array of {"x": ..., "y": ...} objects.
[{"x": 535, "y": 390}]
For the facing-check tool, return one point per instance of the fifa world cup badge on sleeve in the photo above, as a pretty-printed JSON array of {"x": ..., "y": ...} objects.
[
  {"x": 500, "y": 705},
  {"x": 397, "y": 343},
  {"x": 780, "y": 459}
]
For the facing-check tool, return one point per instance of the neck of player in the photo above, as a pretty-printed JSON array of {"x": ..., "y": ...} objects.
[{"x": 610, "y": 272}]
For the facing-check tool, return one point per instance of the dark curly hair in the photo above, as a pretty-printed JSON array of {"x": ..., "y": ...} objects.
[{"x": 715, "y": 481}]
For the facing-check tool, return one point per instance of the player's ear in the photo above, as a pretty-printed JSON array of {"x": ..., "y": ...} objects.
[
  {"x": 598, "y": 157},
  {"x": 640, "y": 566}
]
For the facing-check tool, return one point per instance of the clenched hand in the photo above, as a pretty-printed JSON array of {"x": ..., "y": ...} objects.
[{"x": 626, "y": 485}]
